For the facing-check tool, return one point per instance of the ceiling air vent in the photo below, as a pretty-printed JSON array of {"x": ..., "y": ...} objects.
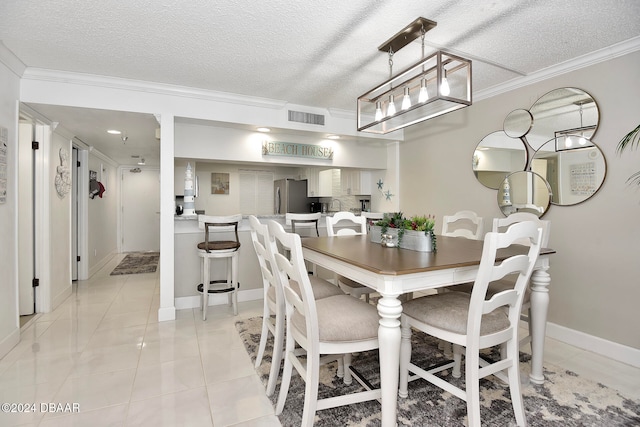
[{"x": 308, "y": 118}]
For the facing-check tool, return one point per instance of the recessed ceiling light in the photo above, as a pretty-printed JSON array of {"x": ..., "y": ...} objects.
[
  {"x": 333, "y": 137},
  {"x": 263, "y": 130},
  {"x": 114, "y": 132}
]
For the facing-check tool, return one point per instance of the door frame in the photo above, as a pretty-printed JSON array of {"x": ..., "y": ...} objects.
[{"x": 82, "y": 203}]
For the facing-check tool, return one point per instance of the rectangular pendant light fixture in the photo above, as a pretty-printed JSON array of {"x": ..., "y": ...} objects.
[{"x": 435, "y": 85}]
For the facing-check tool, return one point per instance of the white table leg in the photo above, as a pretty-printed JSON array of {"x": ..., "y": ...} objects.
[
  {"x": 540, "y": 281},
  {"x": 389, "y": 309}
]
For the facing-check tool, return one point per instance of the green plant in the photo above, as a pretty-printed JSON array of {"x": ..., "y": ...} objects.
[
  {"x": 632, "y": 141},
  {"x": 396, "y": 220}
]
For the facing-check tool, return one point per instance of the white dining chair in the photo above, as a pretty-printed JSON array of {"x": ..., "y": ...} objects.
[
  {"x": 371, "y": 217},
  {"x": 273, "y": 316},
  {"x": 469, "y": 225},
  {"x": 349, "y": 222},
  {"x": 337, "y": 325},
  {"x": 500, "y": 224},
  {"x": 471, "y": 321},
  {"x": 463, "y": 224}
]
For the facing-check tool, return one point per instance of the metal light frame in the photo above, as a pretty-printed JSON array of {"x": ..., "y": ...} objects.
[{"x": 428, "y": 74}]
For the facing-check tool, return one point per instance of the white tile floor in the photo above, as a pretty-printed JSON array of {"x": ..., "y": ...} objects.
[{"x": 104, "y": 350}]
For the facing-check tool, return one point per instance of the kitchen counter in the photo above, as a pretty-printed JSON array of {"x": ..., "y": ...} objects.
[
  {"x": 187, "y": 235},
  {"x": 189, "y": 224}
]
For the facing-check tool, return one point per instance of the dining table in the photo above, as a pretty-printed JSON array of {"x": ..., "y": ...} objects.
[{"x": 394, "y": 272}]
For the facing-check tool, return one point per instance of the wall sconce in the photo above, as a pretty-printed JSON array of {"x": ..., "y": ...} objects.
[{"x": 435, "y": 85}]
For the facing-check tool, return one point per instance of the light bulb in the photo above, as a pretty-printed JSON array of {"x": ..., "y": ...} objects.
[
  {"x": 567, "y": 142},
  {"x": 444, "y": 88},
  {"x": 391, "y": 109},
  {"x": 423, "y": 96},
  {"x": 406, "y": 100},
  {"x": 582, "y": 140},
  {"x": 378, "y": 116}
]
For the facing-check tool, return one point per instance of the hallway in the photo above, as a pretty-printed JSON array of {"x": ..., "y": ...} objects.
[{"x": 104, "y": 349}]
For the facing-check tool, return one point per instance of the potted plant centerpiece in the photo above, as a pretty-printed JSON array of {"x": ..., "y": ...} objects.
[{"x": 415, "y": 233}]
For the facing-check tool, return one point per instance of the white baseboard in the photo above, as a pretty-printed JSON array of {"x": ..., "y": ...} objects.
[
  {"x": 61, "y": 297},
  {"x": 9, "y": 342},
  {"x": 218, "y": 299},
  {"x": 93, "y": 270},
  {"x": 610, "y": 349}
]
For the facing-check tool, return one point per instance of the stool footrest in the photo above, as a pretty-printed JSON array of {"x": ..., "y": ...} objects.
[{"x": 217, "y": 291}]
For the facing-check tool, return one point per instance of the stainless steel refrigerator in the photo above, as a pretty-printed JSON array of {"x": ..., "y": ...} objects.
[{"x": 290, "y": 196}]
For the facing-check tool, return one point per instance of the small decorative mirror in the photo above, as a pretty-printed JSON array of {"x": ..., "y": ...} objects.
[
  {"x": 562, "y": 110},
  {"x": 496, "y": 156},
  {"x": 574, "y": 167},
  {"x": 524, "y": 192},
  {"x": 518, "y": 123}
]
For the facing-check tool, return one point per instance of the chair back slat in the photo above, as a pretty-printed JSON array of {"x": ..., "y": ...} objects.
[
  {"x": 465, "y": 224},
  {"x": 500, "y": 224},
  {"x": 348, "y": 219}
]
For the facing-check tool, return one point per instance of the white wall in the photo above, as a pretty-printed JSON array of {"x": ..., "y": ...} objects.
[
  {"x": 595, "y": 274},
  {"x": 9, "y": 331},
  {"x": 60, "y": 226},
  {"x": 236, "y": 145},
  {"x": 103, "y": 218}
]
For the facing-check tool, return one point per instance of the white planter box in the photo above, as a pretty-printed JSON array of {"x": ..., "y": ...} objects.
[{"x": 413, "y": 240}]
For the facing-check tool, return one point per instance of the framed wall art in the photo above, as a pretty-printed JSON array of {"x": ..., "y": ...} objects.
[{"x": 219, "y": 183}]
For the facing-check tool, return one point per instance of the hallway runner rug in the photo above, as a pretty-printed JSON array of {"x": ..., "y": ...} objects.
[
  {"x": 137, "y": 263},
  {"x": 563, "y": 400}
]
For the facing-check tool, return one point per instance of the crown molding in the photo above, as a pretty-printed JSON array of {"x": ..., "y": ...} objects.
[
  {"x": 605, "y": 54},
  {"x": 149, "y": 87},
  {"x": 11, "y": 61}
]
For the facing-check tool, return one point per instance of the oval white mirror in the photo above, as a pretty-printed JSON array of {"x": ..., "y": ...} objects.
[
  {"x": 524, "y": 191},
  {"x": 518, "y": 123},
  {"x": 574, "y": 167},
  {"x": 496, "y": 156}
]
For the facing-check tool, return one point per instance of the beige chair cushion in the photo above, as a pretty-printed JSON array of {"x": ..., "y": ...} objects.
[
  {"x": 449, "y": 311},
  {"x": 321, "y": 289},
  {"x": 342, "y": 318}
]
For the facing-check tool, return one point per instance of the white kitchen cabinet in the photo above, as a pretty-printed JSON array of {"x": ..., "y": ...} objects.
[
  {"x": 312, "y": 175},
  {"x": 319, "y": 182},
  {"x": 325, "y": 187},
  {"x": 356, "y": 182}
]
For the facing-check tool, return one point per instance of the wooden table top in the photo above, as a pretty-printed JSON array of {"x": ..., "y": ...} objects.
[{"x": 453, "y": 252}]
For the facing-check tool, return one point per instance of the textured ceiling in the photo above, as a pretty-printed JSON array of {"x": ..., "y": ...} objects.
[{"x": 315, "y": 53}]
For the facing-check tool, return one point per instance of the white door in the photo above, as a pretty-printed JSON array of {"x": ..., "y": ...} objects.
[
  {"x": 140, "y": 210},
  {"x": 26, "y": 255}
]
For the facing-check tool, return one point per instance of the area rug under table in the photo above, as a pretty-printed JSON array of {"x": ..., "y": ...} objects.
[
  {"x": 563, "y": 400},
  {"x": 137, "y": 263}
]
